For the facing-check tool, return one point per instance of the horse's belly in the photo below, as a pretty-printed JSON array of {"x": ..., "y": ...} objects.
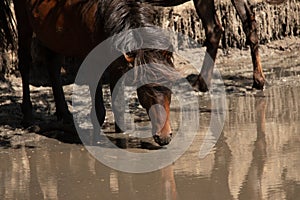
[
  {"x": 66, "y": 43},
  {"x": 65, "y": 29}
]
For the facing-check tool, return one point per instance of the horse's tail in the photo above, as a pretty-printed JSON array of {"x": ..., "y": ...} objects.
[{"x": 7, "y": 25}]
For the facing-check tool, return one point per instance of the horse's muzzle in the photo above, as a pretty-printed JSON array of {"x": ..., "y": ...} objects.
[{"x": 162, "y": 141}]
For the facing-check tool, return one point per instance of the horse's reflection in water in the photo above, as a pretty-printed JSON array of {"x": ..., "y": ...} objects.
[
  {"x": 72, "y": 173},
  {"x": 259, "y": 153}
]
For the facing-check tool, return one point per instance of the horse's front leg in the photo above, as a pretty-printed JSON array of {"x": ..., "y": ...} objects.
[
  {"x": 117, "y": 88},
  {"x": 247, "y": 16},
  {"x": 98, "y": 111},
  {"x": 54, "y": 62},
  {"x": 213, "y": 31},
  {"x": 118, "y": 105}
]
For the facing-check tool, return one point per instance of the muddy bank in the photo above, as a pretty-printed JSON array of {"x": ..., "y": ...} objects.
[
  {"x": 274, "y": 21},
  {"x": 280, "y": 60},
  {"x": 259, "y": 143}
]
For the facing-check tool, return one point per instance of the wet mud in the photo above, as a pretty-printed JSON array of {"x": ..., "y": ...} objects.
[{"x": 256, "y": 156}]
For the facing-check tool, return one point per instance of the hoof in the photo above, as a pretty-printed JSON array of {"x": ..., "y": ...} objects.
[
  {"x": 162, "y": 141},
  {"x": 258, "y": 83},
  {"x": 63, "y": 132},
  {"x": 72, "y": 138},
  {"x": 34, "y": 128},
  {"x": 118, "y": 129},
  {"x": 197, "y": 82},
  {"x": 27, "y": 123}
]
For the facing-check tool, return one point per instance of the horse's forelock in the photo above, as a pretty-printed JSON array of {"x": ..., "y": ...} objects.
[{"x": 155, "y": 66}]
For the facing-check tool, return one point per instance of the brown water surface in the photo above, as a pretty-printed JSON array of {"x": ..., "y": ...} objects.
[{"x": 256, "y": 157}]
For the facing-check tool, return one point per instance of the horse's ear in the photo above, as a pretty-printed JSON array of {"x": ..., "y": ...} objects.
[{"x": 129, "y": 57}]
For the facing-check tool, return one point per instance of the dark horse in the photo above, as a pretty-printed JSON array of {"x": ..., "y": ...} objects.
[
  {"x": 74, "y": 28},
  {"x": 213, "y": 31}
]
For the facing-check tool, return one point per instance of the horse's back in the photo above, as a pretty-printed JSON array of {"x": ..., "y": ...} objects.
[{"x": 66, "y": 27}]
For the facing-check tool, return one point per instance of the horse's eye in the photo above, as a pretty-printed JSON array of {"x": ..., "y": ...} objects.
[{"x": 129, "y": 56}]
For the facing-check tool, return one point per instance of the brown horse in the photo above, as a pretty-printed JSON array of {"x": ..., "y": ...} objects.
[
  {"x": 74, "y": 28},
  {"x": 213, "y": 31}
]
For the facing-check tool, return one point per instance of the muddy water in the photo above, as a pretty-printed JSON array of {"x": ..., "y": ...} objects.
[{"x": 257, "y": 156}]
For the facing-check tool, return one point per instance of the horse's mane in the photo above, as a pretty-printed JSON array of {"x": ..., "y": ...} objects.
[
  {"x": 125, "y": 15},
  {"x": 120, "y": 15}
]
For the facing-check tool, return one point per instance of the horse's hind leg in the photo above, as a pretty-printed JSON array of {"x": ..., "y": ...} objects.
[
  {"x": 247, "y": 16},
  {"x": 213, "y": 31},
  {"x": 25, "y": 60},
  {"x": 24, "y": 66}
]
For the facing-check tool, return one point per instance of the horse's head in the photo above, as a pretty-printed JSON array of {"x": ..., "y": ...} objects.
[
  {"x": 156, "y": 67},
  {"x": 156, "y": 100}
]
